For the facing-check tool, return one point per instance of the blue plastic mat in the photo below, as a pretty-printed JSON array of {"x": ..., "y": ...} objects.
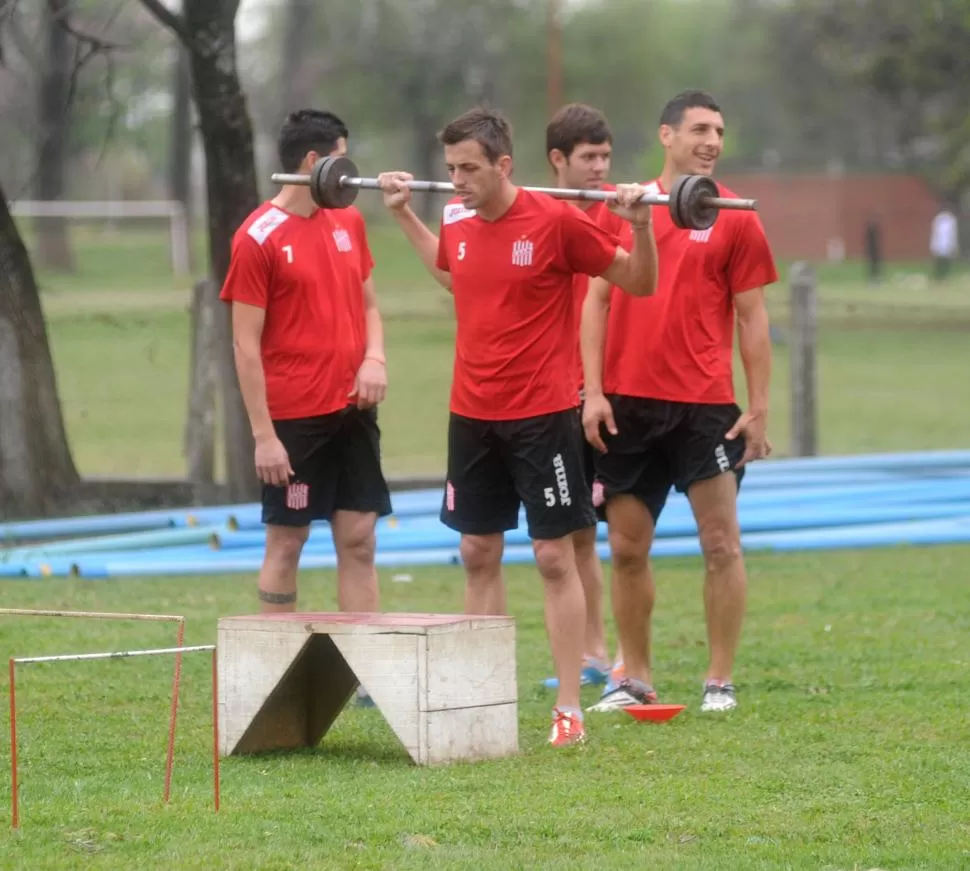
[{"x": 785, "y": 505}]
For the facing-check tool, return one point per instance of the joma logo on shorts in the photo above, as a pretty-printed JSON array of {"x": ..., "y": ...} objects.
[
  {"x": 720, "y": 455},
  {"x": 561, "y": 481}
]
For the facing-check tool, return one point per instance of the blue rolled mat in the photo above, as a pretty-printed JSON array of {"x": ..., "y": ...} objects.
[{"x": 872, "y": 535}]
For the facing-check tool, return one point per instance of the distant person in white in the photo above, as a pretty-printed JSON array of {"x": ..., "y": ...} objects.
[{"x": 944, "y": 245}]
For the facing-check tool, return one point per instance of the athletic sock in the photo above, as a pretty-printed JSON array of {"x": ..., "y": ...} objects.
[{"x": 573, "y": 712}]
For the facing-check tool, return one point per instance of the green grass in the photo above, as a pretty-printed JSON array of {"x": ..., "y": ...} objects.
[
  {"x": 848, "y": 750},
  {"x": 879, "y": 391},
  {"x": 892, "y": 360}
]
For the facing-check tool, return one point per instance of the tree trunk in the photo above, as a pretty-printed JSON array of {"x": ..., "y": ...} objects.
[
  {"x": 180, "y": 147},
  {"x": 227, "y": 135},
  {"x": 37, "y": 472},
  {"x": 208, "y": 31},
  {"x": 428, "y": 155},
  {"x": 53, "y": 116},
  {"x": 297, "y": 47}
]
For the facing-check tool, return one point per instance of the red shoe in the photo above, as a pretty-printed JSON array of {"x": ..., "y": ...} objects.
[{"x": 567, "y": 729}]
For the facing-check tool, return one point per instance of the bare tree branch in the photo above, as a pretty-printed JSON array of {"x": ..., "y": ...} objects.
[
  {"x": 113, "y": 15},
  {"x": 62, "y": 18},
  {"x": 109, "y": 85},
  {"x": 5, "y": 13},
  {"x": 172, "y": 20},
  {"x": 95, "y": 43},
  {"x": 20, "y": 39}
]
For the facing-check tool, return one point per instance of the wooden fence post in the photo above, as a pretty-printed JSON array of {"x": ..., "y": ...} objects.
[
  {"x": 804, "y": 379},
  {"x": 200, "y": 422}
]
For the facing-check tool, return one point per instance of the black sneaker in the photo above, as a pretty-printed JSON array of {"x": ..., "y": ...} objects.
[{"x": 624, "y": 694}]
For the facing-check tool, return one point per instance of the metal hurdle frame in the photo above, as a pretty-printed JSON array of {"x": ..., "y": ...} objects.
[{"x": 177, "y": 651}]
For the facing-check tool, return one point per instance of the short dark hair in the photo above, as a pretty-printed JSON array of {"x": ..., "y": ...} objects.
[
  {"x": 673, "y": 112},
  {"x": 308, "y": 130},
  {"x": 575, "y": 124},
  {"x": 483, "y": 125}
]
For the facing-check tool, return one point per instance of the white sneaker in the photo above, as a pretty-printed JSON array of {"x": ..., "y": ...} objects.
[{"x": 719, "y": 697}]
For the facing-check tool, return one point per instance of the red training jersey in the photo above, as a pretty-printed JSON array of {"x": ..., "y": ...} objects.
[
  {"x": 512, "y": 281},
  {"x": 678, "y": 344},
  {"x": 599, "y": 213},
  {"x": 307, "y": 273}
]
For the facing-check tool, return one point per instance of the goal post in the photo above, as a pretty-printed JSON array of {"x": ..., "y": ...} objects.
[
  {"x": 171, "y": 210},
  {"x": 179, "y": 651}
]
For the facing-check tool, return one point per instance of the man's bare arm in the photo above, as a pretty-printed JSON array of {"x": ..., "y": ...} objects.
[
  {"x": 597, "y": 411},
  {"x": 592, "y": 334},
  {"x": 247, "y": 334},
  {"x": 397, "y": 198},
  {"x": 370, "y": 384},
  {"x": 423, "y": 241},
  {"x": 373, "y": 322},
  {"x": 754, "y": 343},
  {"x": 636, "y": 271}
]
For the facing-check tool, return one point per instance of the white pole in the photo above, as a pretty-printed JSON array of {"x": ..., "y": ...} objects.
[
  {"x": 180, "y": 241},
  {"x": 75, "y": 657},
  {"x": 101, "y": 615}
]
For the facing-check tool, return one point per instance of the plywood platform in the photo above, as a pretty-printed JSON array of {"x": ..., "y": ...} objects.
[{"x": 446, "y": 684}]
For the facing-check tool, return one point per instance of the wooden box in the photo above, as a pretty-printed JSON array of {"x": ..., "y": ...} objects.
[{"x": 446, "y": 684}]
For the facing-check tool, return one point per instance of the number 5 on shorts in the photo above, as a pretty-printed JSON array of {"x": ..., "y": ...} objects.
[{"x": 550, "y": 496}]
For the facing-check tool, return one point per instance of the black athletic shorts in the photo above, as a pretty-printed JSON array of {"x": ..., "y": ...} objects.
[
  {"x": 496, "y": 466},
  {"x": 589, "y": 455},
  {"x": 336, "y": 460},
  {"x": 661, "y": 444}
]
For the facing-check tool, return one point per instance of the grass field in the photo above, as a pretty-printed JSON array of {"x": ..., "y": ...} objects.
[
  {"x": 848, "y": 750},
  {"x": 892, "y": 359}
]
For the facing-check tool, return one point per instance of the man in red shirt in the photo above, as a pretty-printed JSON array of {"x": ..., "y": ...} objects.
[
  {"x": 660, "y": 404},
  {"x": 309, "y": 350},
  {"x": 508, "y": 256},
  {"x": 579, "y": 147}
]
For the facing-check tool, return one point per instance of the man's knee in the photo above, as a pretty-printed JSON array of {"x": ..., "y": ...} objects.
[
  {"x": 277, "y": 582},
  {"x": 481, "y": 554},
  {"x": 720, "y": 542},
  {"x": 584, "y": 543},
  {"x": 630, "y": 534},
  {"x": 555, "y": 559},
  {"x": 714, "y": 502},
  {"x": 354, "y": 538},
  {"x": 284, "y": 544}
]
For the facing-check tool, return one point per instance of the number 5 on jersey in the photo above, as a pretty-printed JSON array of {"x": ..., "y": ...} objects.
[{"x": 461, "y": 250}]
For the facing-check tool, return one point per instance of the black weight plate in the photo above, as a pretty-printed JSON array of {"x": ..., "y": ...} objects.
[
  {"x": 677, "y": 212},
  {"x": 325, "y": 186},
  {"x": 696, "y": 213}
]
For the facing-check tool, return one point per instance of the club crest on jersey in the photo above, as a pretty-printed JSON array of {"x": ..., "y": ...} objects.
[
  {"x": 701, "y": 235},
  {"x": 522, "y": 252},
  {"x": 341, "y": 239}
]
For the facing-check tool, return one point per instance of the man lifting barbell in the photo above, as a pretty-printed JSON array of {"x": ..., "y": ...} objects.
[
  {"x": 693, "y": 201},
  {"x": 508, "y": 256}
]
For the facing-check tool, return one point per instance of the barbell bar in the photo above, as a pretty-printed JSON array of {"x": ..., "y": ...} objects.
[{"x": 693, "y": 200}]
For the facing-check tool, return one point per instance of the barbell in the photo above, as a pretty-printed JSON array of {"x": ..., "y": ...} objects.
[{"x": 693, "y": 200}]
